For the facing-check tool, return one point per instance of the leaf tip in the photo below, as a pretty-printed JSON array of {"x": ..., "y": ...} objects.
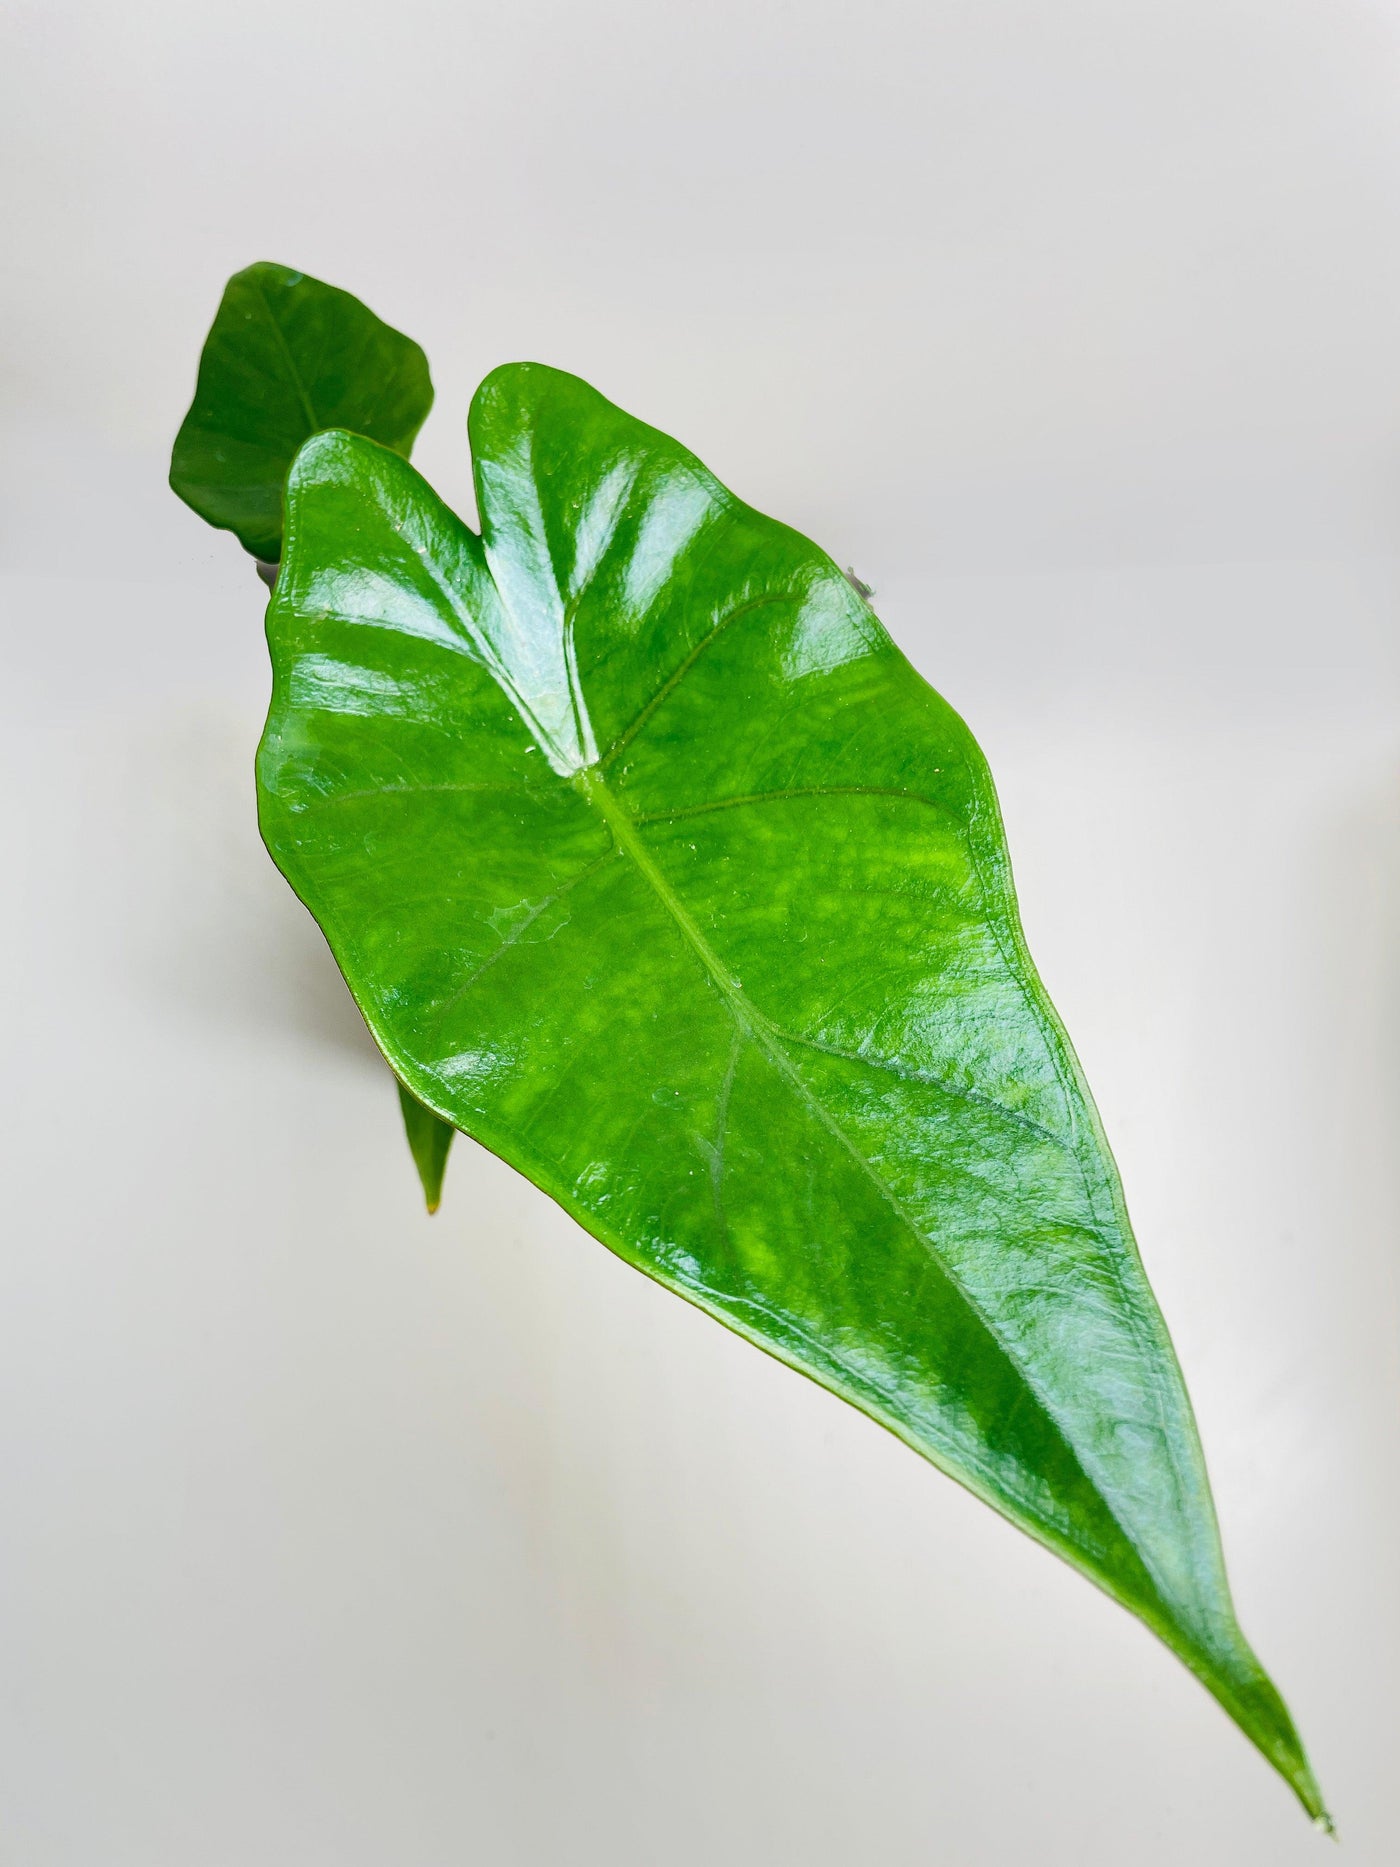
[
  {"x": 1305, "y": 1786},
  {"x": 429, "y": 1142}
]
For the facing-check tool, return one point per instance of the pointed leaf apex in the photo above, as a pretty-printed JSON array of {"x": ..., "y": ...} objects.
[{"x": 430, "y": 1142}]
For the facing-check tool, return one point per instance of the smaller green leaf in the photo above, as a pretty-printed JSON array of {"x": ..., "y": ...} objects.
[
  {"x": 429, "y": 1141},
  {"x": 285, "y": 357}
]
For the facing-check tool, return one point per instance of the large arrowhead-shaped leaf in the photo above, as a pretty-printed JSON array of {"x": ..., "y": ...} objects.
[
  {"x": 655, "y": 866},
  {"x": 285, "y": 357}
]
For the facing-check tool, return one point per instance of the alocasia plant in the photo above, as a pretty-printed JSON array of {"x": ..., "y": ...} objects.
[{"x": 654, "y": 866}]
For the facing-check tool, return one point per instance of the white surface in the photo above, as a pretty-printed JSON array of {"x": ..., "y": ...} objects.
[{"x": 336, "y": 1538}]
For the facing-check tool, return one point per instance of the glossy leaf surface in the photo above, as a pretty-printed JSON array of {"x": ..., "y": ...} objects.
[
  {"x": 654, "y": 866},
  {"x": 287, "y": 356}
]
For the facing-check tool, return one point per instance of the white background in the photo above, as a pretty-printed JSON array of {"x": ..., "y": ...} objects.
[{"x": 333, "y": 1537}]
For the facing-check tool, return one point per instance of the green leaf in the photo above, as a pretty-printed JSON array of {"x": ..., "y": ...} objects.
[
  {"x": 656, "y": 868},
  {"x": 429, "y": 1141},
  {"x": 287, "y": 356}
]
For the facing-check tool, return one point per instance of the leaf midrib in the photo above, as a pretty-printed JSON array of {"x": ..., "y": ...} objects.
[
  {"x": 303, "y": 393},
  {"x": 764, "y": 1035}
]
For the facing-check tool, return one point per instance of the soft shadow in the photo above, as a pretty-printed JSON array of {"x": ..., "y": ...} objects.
[{"x": 220, "y": 936}]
